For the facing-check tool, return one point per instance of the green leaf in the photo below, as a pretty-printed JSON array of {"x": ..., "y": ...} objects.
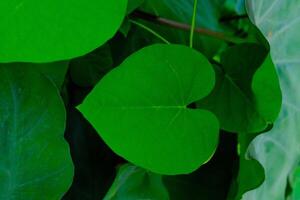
[
  {"x": 53, "y": 30},
  {"x": 134, "y": 183},
  {"x": 133, "y": 4},
  {"x": 279, "y": 149},
  {"x": 87, "y": 70},
  {"x": 35, "y": 161},
  {"x": 247, "y": 95},
  {"x": 140, "y": 109},
  {"x": 295, "y": 183},
  {"x": 251, "y": 173},
  {"x": 125, "y": 28},
  {"x": 55, "y": 71}
]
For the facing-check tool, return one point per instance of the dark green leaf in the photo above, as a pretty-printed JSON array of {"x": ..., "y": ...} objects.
[
  {"x": 55, "y": 71},
  {"x": 35, "y": 161},
  {"x": 247, "y": 95}
]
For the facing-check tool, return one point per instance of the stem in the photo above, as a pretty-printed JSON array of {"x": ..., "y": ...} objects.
[
  {"x": 150, "y": 30},
  {"x": 193, "y": 23},
  {"x": 186, "y": 27}
]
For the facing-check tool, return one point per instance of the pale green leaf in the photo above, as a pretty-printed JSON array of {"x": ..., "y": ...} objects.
[{"x": 279, "y": 149}]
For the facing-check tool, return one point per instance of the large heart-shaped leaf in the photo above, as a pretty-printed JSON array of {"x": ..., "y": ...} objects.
[
  {"x": 35, "y": 160},
  {"x": 140, "y": 109},
  {"x": 247, "y": 95},
  {"x": 135, "y": 183},
  {"x": 279, "y": 150},
  {"x": 50, "y": 30}
]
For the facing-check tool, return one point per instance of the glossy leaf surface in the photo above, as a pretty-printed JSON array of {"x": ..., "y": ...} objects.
[
  {"x": 140, "y": 109},
  {"x": 52, "y": 30}
]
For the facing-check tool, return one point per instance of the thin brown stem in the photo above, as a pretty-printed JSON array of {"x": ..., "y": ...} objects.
[{"x": 182, "y": 26}]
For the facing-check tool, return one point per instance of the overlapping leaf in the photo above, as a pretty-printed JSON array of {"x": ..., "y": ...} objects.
[
  {"x": 35, "y": 160},
  {"x": 247, "y": 95},
  {"x": 52, "y": 30},
  {"x": 140, "y": 109}
]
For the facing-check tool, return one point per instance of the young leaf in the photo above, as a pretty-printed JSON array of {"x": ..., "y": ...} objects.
[
  {"x": 247, "y": 95},
  {"x": 279, "y": 149},
  {"x": 134, "y": 183},
  {"x": 35, "y": 160},
  {"x": 140, "y": 109},
  {"x": 52, "y": 30}
]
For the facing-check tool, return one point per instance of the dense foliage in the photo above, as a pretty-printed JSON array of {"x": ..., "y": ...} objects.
[{"x": 149, "y": 99}]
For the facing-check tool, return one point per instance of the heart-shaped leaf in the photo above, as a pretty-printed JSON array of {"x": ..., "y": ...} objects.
[
  {"x": 247, "y": 96},
  {"x": 51, "y": 30},
  {"x": 140, "y": 109},
  {"x": 35, "y": 162}
]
